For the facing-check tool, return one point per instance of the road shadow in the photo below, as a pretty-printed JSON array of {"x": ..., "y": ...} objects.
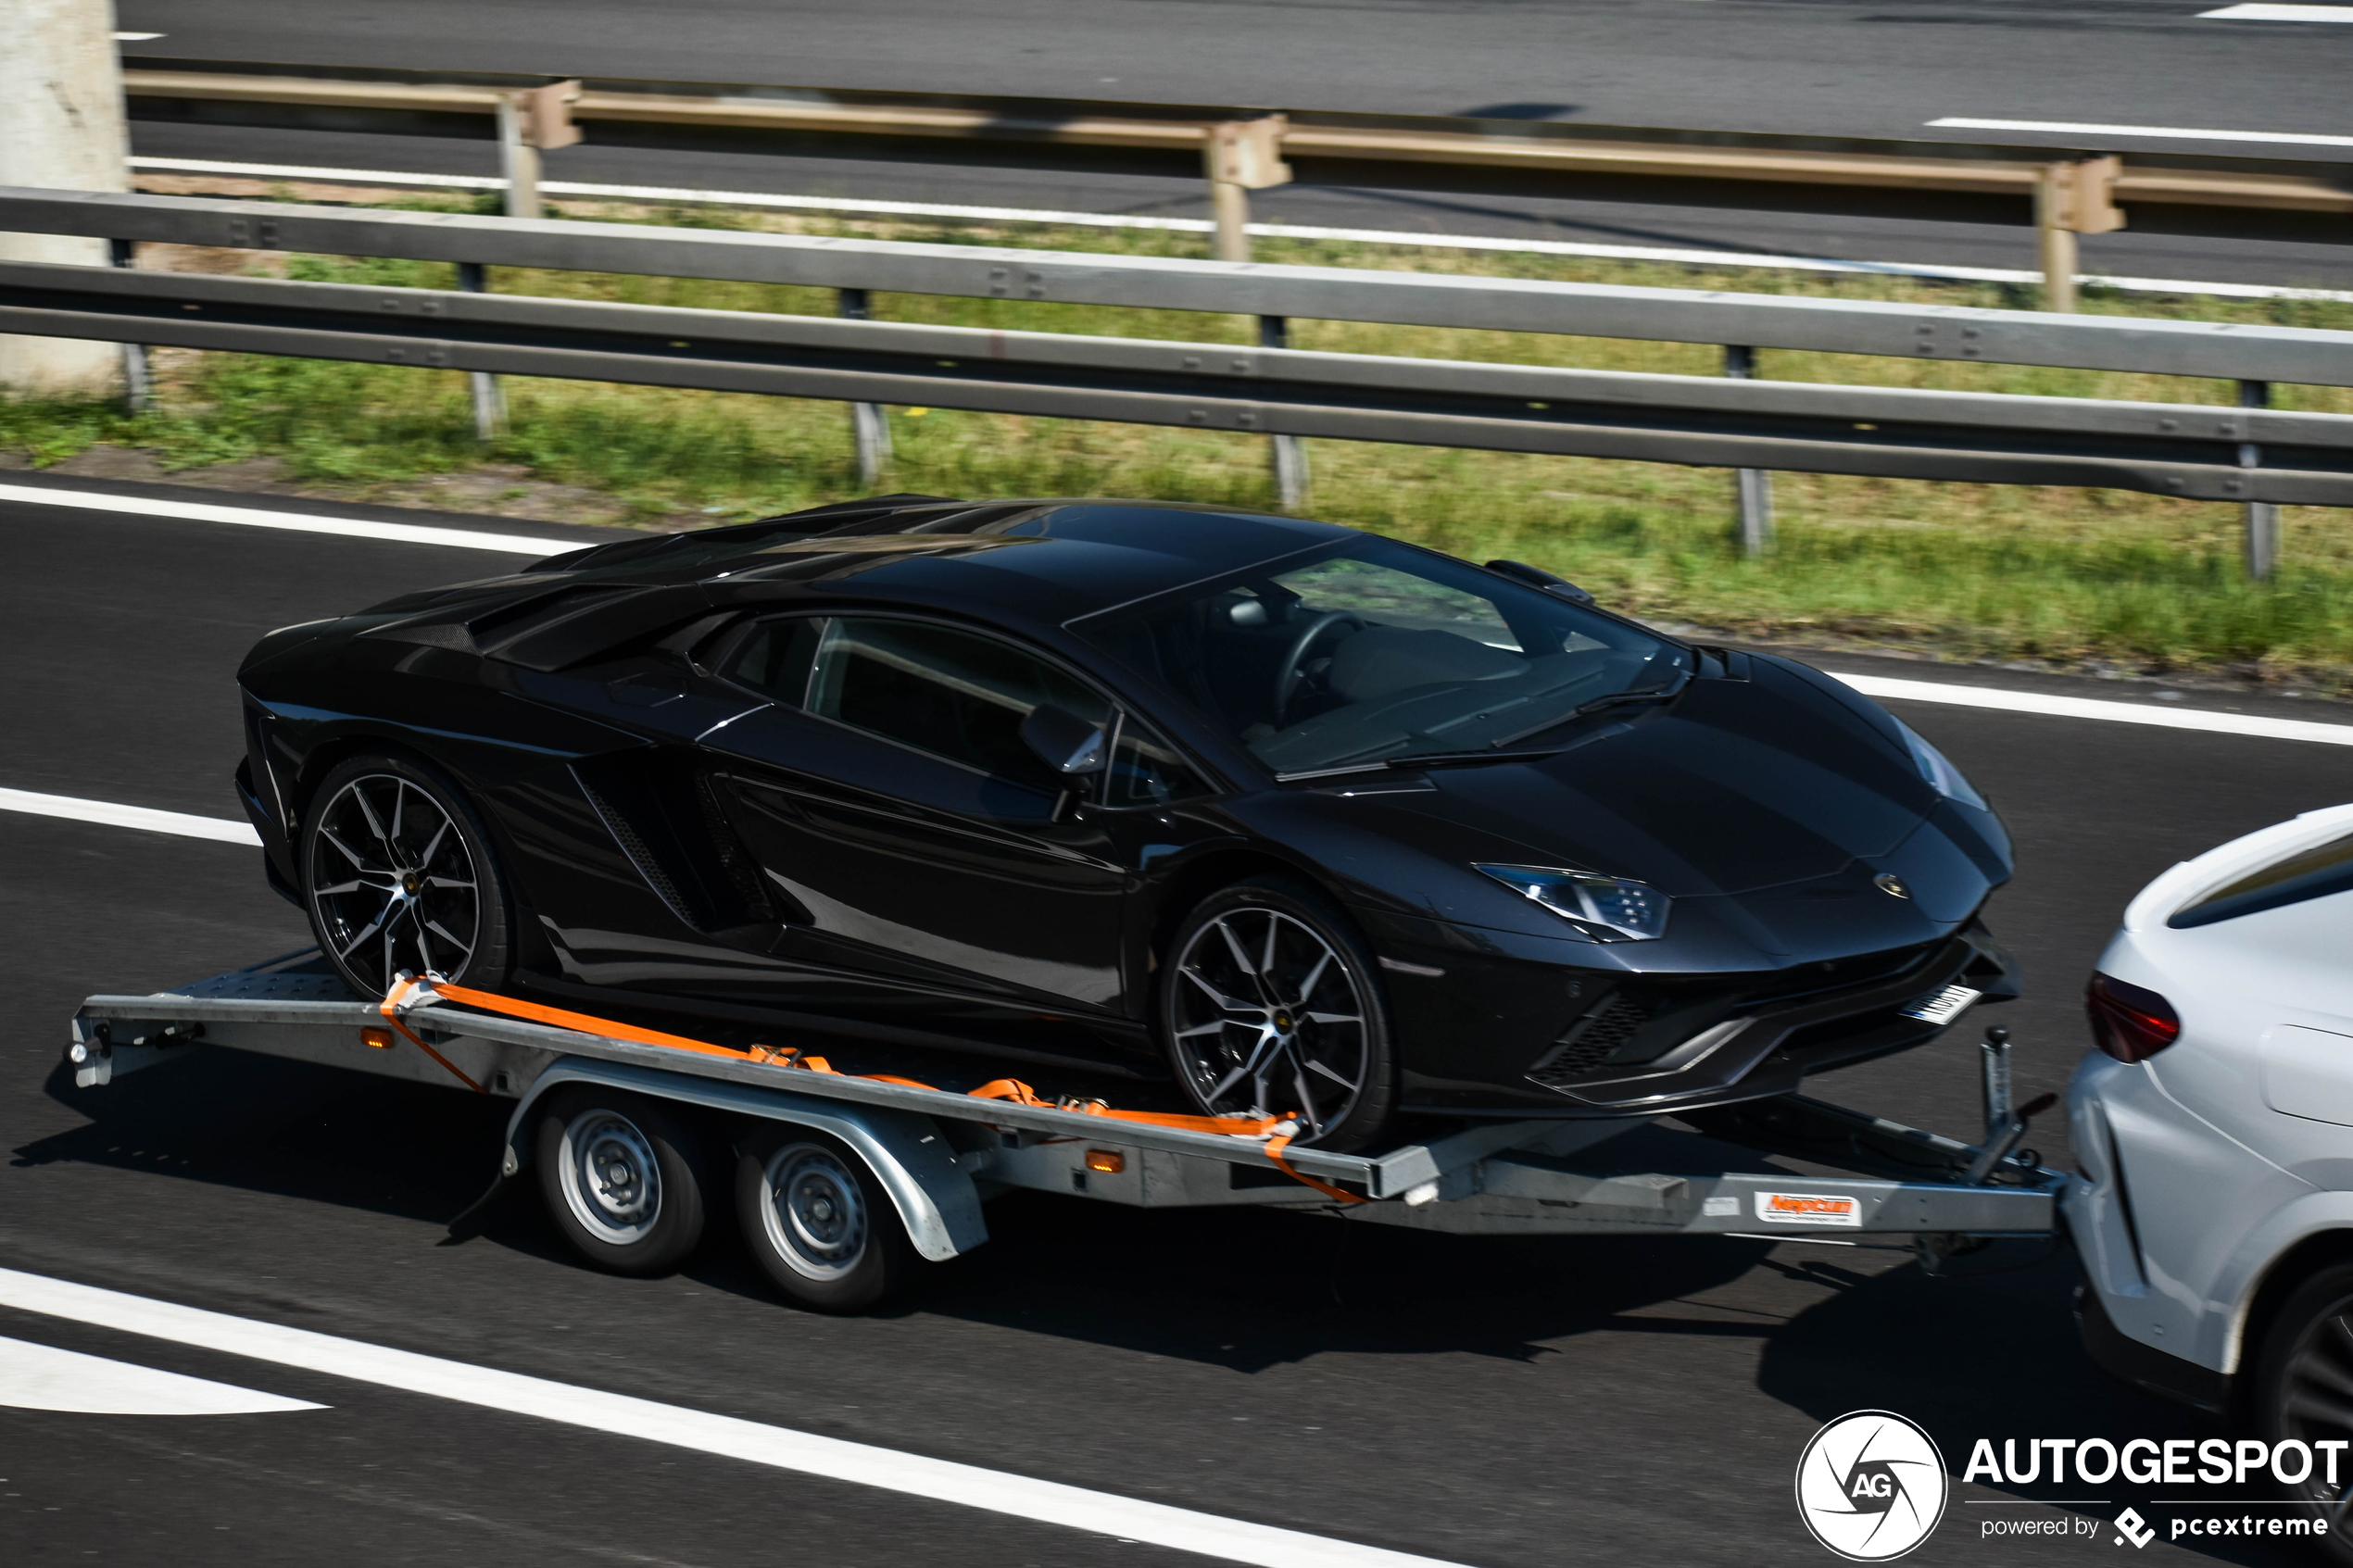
[{"x": 1990, "y": 1350}]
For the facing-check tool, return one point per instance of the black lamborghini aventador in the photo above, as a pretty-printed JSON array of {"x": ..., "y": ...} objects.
[{"x": 1311, "y": 820}]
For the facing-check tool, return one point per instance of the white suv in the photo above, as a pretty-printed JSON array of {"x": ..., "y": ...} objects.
[{"x": 2214, "y": 1130}]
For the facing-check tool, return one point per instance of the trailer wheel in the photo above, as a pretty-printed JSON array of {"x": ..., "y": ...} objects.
[
  {"x": 819, "y": 1223},
  {"x": 2303, "y": 1369},
  {"x": 621, "y": 1175}
]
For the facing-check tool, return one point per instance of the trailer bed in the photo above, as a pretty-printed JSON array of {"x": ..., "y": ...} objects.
[{"x": 942, "y": 1153}]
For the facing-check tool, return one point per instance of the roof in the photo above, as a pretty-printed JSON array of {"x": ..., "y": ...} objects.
[{"x": 1050, "y": 560}]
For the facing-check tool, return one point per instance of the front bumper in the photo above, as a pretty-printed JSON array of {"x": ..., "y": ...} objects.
[{"x": 1493, "y": 1033}]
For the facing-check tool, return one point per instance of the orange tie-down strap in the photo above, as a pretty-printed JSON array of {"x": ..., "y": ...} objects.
[{"x": 407, "y": 992}]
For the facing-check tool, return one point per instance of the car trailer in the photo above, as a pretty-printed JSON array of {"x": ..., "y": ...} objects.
[{"x": 625, "y": 1133}]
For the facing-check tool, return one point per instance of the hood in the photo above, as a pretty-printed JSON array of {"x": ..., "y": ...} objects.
[
  {"x": 1735, "y": 787},
  {"x": 1768, "y": 809}
]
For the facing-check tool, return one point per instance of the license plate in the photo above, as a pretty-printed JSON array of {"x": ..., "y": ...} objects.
[{"x": 1943, "y": 1007}]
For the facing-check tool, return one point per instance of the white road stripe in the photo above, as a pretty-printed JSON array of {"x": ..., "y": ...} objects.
[
  {"x": 41, "y": 1377},
  {"x": 2098, "y": 708},
  {"x": 144, "y": 818},
  {"x": 780, "y": 1448},
  {"x": 299, "y": 523},
  {"x": 2281, "y": 14},
  {"x": 2171, "y": 133},
  {"x": 1688, "y": 256}
]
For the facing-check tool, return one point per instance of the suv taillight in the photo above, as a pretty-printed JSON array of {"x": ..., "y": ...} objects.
[{"x": 2131, "y": 1022}]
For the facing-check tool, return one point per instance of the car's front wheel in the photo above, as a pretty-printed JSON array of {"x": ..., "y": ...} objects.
[
  {"x": 2304, "y": 1390},
  {"x": 1269, "y": 1006},
  {"x": 398, "y": 874}
]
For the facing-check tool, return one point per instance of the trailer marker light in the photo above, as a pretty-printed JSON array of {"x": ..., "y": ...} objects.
[
  {"x": 379, "y": 1038},
  {"x": 1110, "y": 1162}
]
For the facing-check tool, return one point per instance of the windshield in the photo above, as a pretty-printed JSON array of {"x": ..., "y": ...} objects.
[{"x": 1382, "y": 652}]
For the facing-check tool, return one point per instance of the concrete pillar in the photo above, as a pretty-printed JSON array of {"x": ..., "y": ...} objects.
[{"x": 60, "y": 127}]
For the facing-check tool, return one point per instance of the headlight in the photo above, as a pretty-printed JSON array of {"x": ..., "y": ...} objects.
[
  {"x": 1605, "y": 909},
  {"x": 1938, "y": 769}
]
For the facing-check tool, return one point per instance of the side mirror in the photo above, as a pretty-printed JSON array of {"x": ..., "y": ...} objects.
[
  {"x": 1536, "y": 577},
  {"x": 1064, "y": 741}
]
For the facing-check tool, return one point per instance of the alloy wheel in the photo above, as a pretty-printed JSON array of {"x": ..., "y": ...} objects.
[
  {"x": 2316, "y": 1404},
  {"x": 1270, "y": 1019},
  {"x": 392, "y": 881}
]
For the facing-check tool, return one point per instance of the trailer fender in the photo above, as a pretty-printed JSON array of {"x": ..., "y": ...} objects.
[{"x": 907, "y": 1152}]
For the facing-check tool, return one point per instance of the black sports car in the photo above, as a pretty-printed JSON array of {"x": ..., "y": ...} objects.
[{"x": 1317, "y": 821}]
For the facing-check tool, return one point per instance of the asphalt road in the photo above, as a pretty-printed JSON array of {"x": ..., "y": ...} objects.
[
  {"x": 1861, "y": 68},
  {"x": 1507, "y": 1404}
]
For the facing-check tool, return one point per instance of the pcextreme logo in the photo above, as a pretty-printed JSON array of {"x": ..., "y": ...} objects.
[{"x": 1872, "y": 1486}]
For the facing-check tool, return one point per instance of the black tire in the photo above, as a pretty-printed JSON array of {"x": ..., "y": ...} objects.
[
  {"x": 2304, "y": 1389},
  {"x": 1244, "y": 1044},
  {"x": 397, "y": 873},
  {"x": 622, "y": 1176},
  {"x": 819, "y": 1223}
]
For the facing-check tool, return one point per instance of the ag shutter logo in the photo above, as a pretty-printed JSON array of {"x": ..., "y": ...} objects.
[{"x": 1872, "y": 1486}]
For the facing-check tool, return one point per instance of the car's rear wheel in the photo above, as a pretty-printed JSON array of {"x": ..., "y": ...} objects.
[
  {"x": 398, "y": 874},
  {"x": 1269, "y": 1006},
  {"x": 2304, "y": 1390}
]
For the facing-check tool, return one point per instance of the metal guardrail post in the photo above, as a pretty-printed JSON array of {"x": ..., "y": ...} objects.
[
  {"x": 869, "y": 431},
  {"x": 138, "y": 379},
  {"x": 1752, "y": 488},
  {"x": 531, "y": 120},
  {"x": 2263, "y": 517},
  {"x": 2070, "y": 198},
  {"x": 490, "y": 399},
  {"x": 517, "y": 159},
  {"x": 1291, "y": 457},
  {"x": 1241, "y": 157}
]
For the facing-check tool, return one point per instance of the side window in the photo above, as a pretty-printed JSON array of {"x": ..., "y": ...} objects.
[
  {"x": 952, "y": 693},
  {"x": 1147, "y": 770},
  {"x": 775, "y": 659}
]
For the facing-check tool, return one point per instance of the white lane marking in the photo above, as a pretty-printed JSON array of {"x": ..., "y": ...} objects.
[
  {"x": 41, "y": 1377},
  {"x": 2098, "y": 708},
  {"x": 2171, "y": 133},
  {"x": 144, "y": 818},
  {"x": 780, "y": 1448},
  {"x": 299, "y": 523},
  {"x": 1273, "y": 231},
  {"x": 2281, "y": 14},
  {"x": 135, "y": 37}
]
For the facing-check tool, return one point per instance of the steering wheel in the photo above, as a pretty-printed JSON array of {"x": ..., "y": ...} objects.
[{"x": 1287, "y": 674}]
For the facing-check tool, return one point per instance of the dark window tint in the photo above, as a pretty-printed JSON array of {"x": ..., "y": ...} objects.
[
  {"x": 775, "y": 658},
  {"x": 1380, "y": 651},
  {"x": 1147, "y": 770},
  {"x": 2308, "y": 874},
  {"x": 949, "y": 693}
]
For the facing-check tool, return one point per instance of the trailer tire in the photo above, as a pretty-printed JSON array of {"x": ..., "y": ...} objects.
[
  {"x": 622, "y": 1176},
  {"x": 818, "y": 1223}
]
